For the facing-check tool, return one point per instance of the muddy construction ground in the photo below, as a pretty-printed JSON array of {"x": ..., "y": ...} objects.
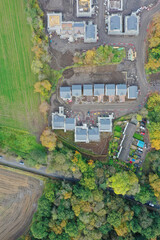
[{"x": 18, "y": 201}]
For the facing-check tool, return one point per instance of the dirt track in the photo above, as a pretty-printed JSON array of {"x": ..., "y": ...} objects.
[{"x": 18, "y": 201}]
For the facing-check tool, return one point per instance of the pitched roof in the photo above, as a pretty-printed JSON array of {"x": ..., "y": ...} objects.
[
  {"x": 81, "y": 134},
  {"x": 65, "y": 92},
  {"x": 132, "y": 92},
  {"x": 58, "y": 121},
  {"x": 76, "y": 90},
  {"x": 132, "y": 23},
  {"x": 115, "y": 22},
  {"x": 105, "y": 124},
  {"x": 121, "y": 89},
  {"x": 87, "y": 90},
  {"x": 98, "y": 89},
  {"x": 110, "y": 89},
  {"x": 93, "y": 134},
  {"x": 70, "y": 123}
]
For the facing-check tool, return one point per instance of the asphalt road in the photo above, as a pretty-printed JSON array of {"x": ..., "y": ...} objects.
[{"x": 41, "y": 172}]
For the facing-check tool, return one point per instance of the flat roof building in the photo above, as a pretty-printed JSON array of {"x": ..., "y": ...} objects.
[
  {"x": 87, "y": 90},
  {"x": 84, "y": 8},
  {"x": 70, "y": 124},
  {"x": 93, "y": 134},
  {"x": 54, "y": 22},
  {"x": 81, "y": 134},
  {"x": 65, "y": 93},
  {"x": 90, "y": 33},
  {"x": 115, "y": 24},
  {"x": 115, "y": 5},
  {"x": 76, "y": 90},
  {"x": 67, "y": 30},
  {"x": 132, "y": 92},
  {"x": 105, "y": 124},
  {"x": 132, "y": 24},
  {"x": 98, "y": 89}
]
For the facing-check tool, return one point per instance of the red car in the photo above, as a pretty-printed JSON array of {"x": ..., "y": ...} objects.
[{"x": 142, "y": 133}]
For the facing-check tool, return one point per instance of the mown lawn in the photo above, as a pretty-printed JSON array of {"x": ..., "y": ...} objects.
[{"x": 18, "y": 102}]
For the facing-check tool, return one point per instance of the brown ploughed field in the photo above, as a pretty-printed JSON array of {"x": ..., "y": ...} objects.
[{"x": 18, "y": 200}]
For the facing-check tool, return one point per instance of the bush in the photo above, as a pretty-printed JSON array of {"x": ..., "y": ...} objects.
[
  {"x": 118, "y": 128},
  {"x": 117, "y": 134}
]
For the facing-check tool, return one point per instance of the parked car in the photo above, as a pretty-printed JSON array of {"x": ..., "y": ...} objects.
[
  {"x": 21, "y": 162},
  {"x": 139, "y": 156},
  {"x": 140, "y": 150},
  {"x": 151, "y": 204},
  {"x": 142, "y": 133},
  {"x": 142, "y": 124},
  {"x": 142, "y": 128}
]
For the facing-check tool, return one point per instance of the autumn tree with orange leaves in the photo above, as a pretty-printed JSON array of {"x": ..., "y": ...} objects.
[
  {"x": 153, "y": 64},
  {"x": 48, "y": 139}
]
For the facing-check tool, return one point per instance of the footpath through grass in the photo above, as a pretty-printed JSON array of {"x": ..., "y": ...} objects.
[{"x": 18, "y": 102}]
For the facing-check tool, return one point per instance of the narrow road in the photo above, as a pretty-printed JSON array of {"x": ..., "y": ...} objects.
[{"x": 42, "y": 172}]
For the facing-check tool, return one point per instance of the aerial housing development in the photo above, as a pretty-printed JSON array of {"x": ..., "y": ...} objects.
[{"x": 80, "y": 120}]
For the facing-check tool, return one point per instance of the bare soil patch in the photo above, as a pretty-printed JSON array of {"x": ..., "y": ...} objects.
[
  {"x": 68, "y": 73},
  {"x": 18, "y": 200},
  {"x": 99, "y": 148},
  {"x": 61, "y": 60}
]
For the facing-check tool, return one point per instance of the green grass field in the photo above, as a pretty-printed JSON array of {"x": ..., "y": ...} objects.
[{"x": 18, "y": 102}]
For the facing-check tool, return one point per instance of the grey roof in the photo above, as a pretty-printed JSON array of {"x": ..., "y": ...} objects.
[
  {"x": 65, "y": 92},
  {"x": 121, "y": 89},
  {"x": 87, "y": 90},
  {"x": 93, "y": 134},
  {"x": 98, "y": 89},
  {"x": 105, "y": 124},
  {"x": 115, "y": 22},
  {"x": 110, "y": 89},
  {"x": 58, "y": 121},
  {"x": 132, "y": 92},
  {"x": 81, "y": 134},
  {"x": 70, "y": 123},
  {"x": 132, "y": 23},
  {"x": 76, "y": 90},
  {"x": 90, "y": 31}
]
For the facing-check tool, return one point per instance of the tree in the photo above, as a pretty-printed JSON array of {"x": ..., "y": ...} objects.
[
  {"x": 44, "y": 107},
  {"x": 42, "y": 87},
  {"x": 36, "y": 66},
  {"x": 145, "y": 195},
  {"x": 154, "y": 181},
  {"x": 153, "y": 101},
  {"x": 90, "y": 54},
  {"x": 139, "y": 117},
  {"x": 40, "y": 229},
  {"x": 72, "y": 229},
  {"x": 124, "y": 182},
  {"x": 48, "y": 139}
]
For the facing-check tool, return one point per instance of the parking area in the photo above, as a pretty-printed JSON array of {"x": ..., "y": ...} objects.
[{"x": 132, "y": 144}]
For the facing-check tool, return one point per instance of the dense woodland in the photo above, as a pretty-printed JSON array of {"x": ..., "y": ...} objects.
[
  {"x": 153, "y": 63},
  {"x": 87, "y": 210}
]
